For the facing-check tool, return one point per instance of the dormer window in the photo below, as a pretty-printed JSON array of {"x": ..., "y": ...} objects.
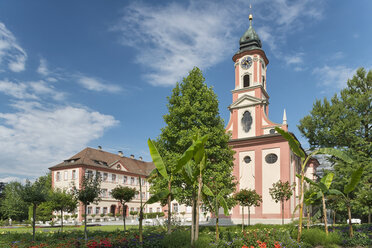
[{"x": 246, "y": 81}]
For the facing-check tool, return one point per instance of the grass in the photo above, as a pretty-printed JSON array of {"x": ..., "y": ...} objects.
[{"x": 65, "y": 228}]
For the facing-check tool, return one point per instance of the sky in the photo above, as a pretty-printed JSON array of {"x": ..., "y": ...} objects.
[{"x": 87, "y": 73}]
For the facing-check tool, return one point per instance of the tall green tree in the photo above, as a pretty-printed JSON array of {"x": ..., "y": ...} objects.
[
  {"x": 89, "y": 192},
  {"x": 34, "y": 194},
  {"x": 63, "y": 201},
  {"x": 365, "y": 199},
  {"x": 12, "y": 205},
  {"x": 124, "y": 195},
  {"x": 281, "y": 192},
  {"x": 193, "y": 109},
  {"x": 344, "y": 122}
]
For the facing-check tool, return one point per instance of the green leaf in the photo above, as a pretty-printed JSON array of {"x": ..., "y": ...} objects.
[
  {"x": 203, "y": 163},
  {"x": 207, "y": 191},
  {"x": 157, "y": 160},
  {"x": 224, "y": 205},
  {"x": 335, "y": 192},
  {"x": 337, "y": 153},
  {"x": 158, "y": 197},
  {"x": 327, "y": 180},
  {"x": 308, "y": 180},
  {"x": 187, "y": 173},
  {"x": 354, "y": 180},
  {"x": 293, "y": 143},
  {"x": 191, "y": 152},
  {"x": 319, "y": 195}
]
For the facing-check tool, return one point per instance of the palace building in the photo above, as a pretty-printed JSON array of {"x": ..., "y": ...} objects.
[{"x": 262, "y": 155}]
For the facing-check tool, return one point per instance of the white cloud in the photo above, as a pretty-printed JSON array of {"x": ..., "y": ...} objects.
[
  {"x": 334, "y": 76},
  {"x": 35, "y": 137},
  {"x": 294, "y": 59},
  {"x": 43, "y": 67},
  {"x": 11, "y": 179},
  {"x": 30, "y": 90},
  {"x": 94, "y": 84},
  {"x": 173, "y": 38},
  {"x": 10, "y": 52}
]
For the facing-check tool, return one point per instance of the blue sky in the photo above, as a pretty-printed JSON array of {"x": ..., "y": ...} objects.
[{"x": 88, "y": 73}]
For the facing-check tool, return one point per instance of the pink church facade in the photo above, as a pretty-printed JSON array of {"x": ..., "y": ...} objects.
[{"x": 262, "y": 156}]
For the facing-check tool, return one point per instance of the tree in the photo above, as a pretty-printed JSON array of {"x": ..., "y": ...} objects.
[
  {"x": 123, "y": 195},
  {"x": 89, "y": 192},
  {"x": 34, "y": 194},
  {"x": 193, "y": 109},
  {"x": 12, "y": 205},
  {"x": 354, "y": 180},
  {"x": 365, "y": 199},
  {"x": 63, "y": 201},
  {"x": 280, "y": 192},
  {"x": 304, "y": 159},
  {"x": 344, "y": 123},
  {"x": 248, "y": 198}
]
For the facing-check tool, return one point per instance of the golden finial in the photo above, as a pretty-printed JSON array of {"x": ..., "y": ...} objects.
[{"x": 250, "y": 15}]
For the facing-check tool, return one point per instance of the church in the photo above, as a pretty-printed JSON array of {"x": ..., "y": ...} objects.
[{"x": 262, "y": 156}]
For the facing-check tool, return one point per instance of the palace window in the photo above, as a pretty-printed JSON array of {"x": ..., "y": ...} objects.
[
  {"x": 98, "y": 210},
  {"x": 74, "y": 174},
  {"x": 125, "y": 179},
  {"x": 58, "y": 176},
  {"x": 89, "y": 210},
  {"x": 104, "y": 210},
  {"x": 105, "y": 176},
  {"x": 246, "y": 81},
  {"x": 113, "y": 177},
  {"x": 132, "y": 180},
  {"x": 66, "y": 175}
]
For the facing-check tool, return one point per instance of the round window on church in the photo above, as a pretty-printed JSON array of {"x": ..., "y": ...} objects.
[
  {"x": 271, "y": 158},
  {"x": 272, "y": 131},
  {"x": 247, "y": 159}
]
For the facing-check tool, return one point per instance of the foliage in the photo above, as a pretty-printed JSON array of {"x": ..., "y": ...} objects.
[
  {"x": 44, "y": 211},
  {"x": 281, "y": 191},
  {"x": 12, "y": 205},
  {"x": 124, "y": 195},
  {"x": 89, "y": 192},
  {"x": 248, "y": 198},
  {"x": 344, "y": 123},
  {"x": 193, "y": 109},
  {"x": 62, "y": 201}
]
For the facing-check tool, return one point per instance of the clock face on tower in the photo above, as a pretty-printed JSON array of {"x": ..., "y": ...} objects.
[
  {"x": 247, "y": 121},
  {"x": 246, "y": 63}
]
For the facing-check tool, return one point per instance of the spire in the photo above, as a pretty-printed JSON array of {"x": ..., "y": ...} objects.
[
  {"x": 250, "y": 39},
  {"x": 284, "y": 118}
]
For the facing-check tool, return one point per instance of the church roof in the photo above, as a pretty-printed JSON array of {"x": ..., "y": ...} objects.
[
  {"x": 250, "y": 39},
  {"x": 102, "y": 159}
]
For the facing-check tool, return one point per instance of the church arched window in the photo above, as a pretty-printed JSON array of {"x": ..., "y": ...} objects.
[{"x": 246, "y": 81}]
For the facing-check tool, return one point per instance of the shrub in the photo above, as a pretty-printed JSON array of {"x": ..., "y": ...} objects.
[
  {"x": 316, "y": 237},
  {"x": 179, "y": 239}
]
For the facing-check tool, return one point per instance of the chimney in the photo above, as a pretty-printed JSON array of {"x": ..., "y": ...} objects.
[
  {"x": 100, "y": 148},
  {"x": 120, "y": 153},
  {"x": 140, "y": 158},
  {"x": 131, "y": 156}
]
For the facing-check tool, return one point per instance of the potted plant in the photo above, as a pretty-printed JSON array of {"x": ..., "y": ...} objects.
[
  {"x": 110, "y": 215},
  {"x": 93, "y": 215},
  {"x": 117, "y": 215}
]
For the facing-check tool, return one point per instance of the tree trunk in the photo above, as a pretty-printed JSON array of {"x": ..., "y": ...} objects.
[
  {"x": 308, "y": 218},
  {"x": 242, "y": 218},
  {"x": 141, "y": 213},
  {"x": 85, "y": 223},
  {"x": 198, "y": 201},
  {"x": 301, "y": 206},
  {"x": 169, "y": 208},
  {"x": 124, "y": 215},
  {"x": 325, "y": 215},
  {"x": 350, "y": 224},
  {"x": 61, "y": 220},
  {"x": 282, "y": 212},
  {"x": 193, "y": 218},
  {"x": 33, "y": 221},
  {"x": 249, "y": 215},
  {"x": 334, "y": 219},
  {"x": 217, "y": 231}
]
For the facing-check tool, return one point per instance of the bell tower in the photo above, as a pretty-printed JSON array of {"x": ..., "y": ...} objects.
[{"x": 249, "y": 109}]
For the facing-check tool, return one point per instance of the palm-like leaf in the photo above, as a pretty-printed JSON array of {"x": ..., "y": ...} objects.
[
  {"x": 223, "y": 204},
  {"x": 337, "y": 153},
  {"x": 354, "y": 180},
  {"x": 207, "y": 191},
  {"x": 327, "y": 180},
  {"x": 293, "y": 143},
  {"x": 194, "y": 151},
  {"x": 158, "y": 196},
  {"x": 157, "y": 160}
]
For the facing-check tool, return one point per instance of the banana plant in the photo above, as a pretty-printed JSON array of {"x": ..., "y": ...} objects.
[
  {"x": 167, "y": 173},
  {"x": 193, "y": 176},
  {"x": 348, "y": 188},
  {"x": 304, "y": 159},
  {"x": 215, "y": 200},
  {"x": 323, "y": 187}
]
